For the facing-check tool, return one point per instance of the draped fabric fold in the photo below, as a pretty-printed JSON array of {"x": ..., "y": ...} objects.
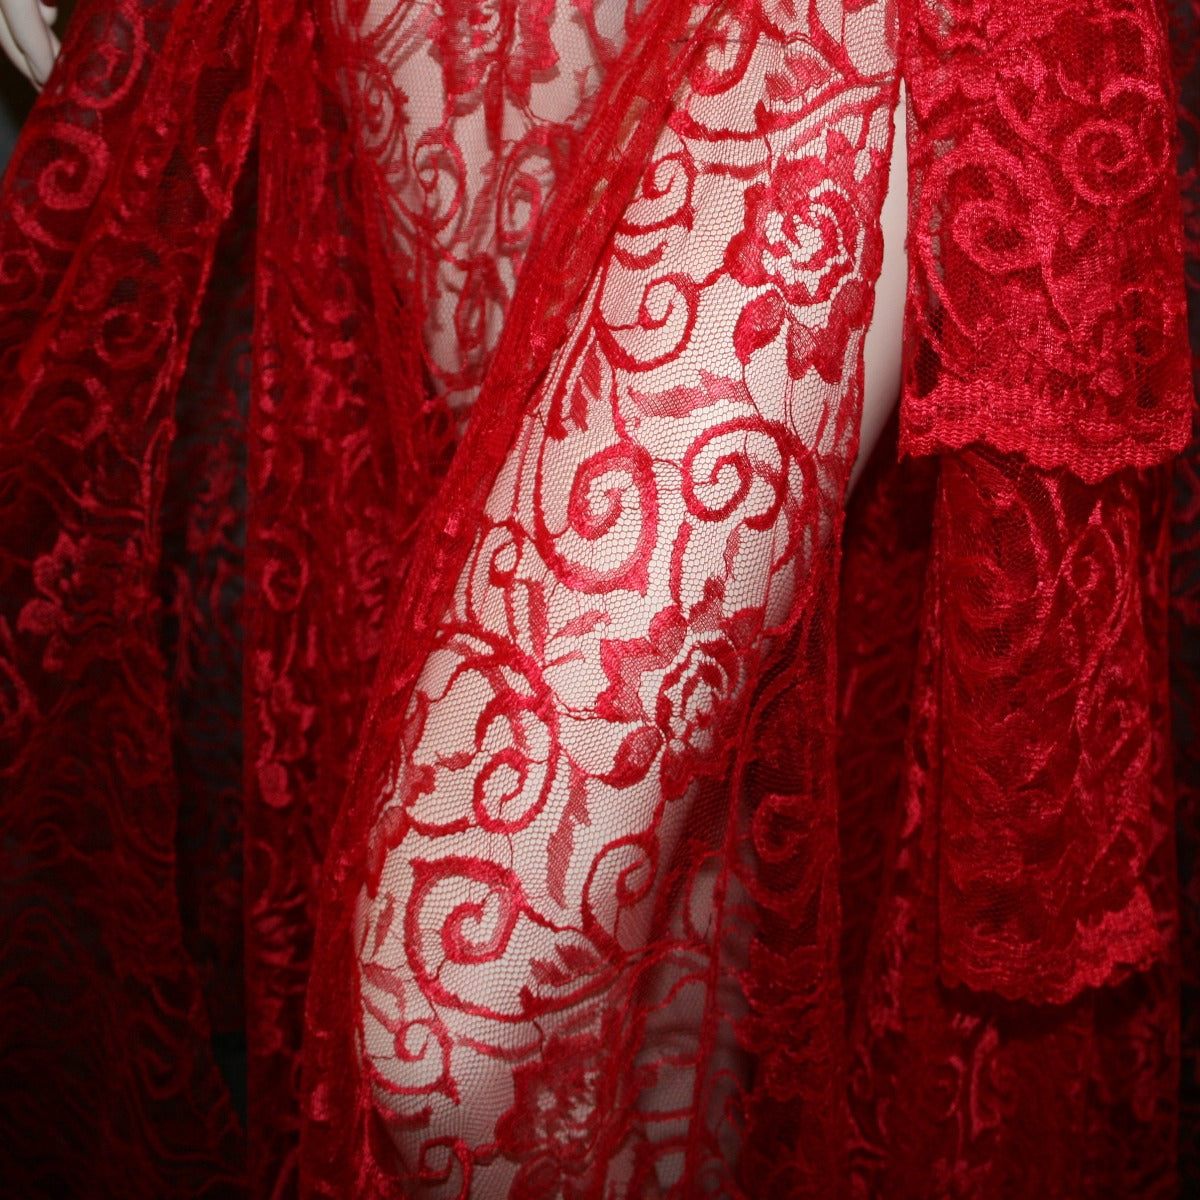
[
  {"x": 1046, "y": 716},
  {"x": 1046, "y": 319},
  {"x": 958, "y": 1090},
  {"x": 429, "y": 637},
  {"x": 111, "y": 214}
]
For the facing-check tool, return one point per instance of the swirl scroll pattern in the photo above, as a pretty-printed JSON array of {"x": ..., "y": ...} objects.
[{"x": 558, "y": 914}]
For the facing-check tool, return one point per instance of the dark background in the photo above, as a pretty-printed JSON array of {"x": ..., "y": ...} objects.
[{"x": 16, "y": 95}]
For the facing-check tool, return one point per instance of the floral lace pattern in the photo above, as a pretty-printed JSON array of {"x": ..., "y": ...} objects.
[
  {"x": 582, "y": 914},
  {"x": 1044, "y": 171},
  {"x": 653, "y": 537},
  {"x": 955, "y": 1091},
  {"x": 103, "y": 1007}
]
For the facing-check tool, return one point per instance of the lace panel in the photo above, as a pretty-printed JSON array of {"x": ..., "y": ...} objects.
[
  {"x": 1045, "y": 312},
  {"x": 595, "y": 797}
]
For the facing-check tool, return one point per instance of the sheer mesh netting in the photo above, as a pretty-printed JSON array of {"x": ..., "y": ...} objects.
[{"x": 573, "y": 855}]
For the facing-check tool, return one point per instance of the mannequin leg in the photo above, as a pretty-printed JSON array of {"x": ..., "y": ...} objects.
[{"x": 549, "y": 873}]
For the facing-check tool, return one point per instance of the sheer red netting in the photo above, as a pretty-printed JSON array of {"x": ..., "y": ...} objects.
[{"x": 462, "y": 735}]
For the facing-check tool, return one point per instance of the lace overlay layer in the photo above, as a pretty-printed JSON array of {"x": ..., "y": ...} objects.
[
  {"x": 1045, "y": 307},
  {"x": 507, "y": 354},
  {"x": 589, "y": 843}
]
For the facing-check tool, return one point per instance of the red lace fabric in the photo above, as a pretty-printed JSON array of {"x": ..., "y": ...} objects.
[
  {"x": 586, "y": 875},
  {"x": 110, "y": 1087},
  {"x": 1184, "y": 611},
  {"x": 425, "y": 435},
  {"x": 956, "y": 1091},
  {"x": 1023, "y": 159},
  {"x": 1046, "y": 255}
]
